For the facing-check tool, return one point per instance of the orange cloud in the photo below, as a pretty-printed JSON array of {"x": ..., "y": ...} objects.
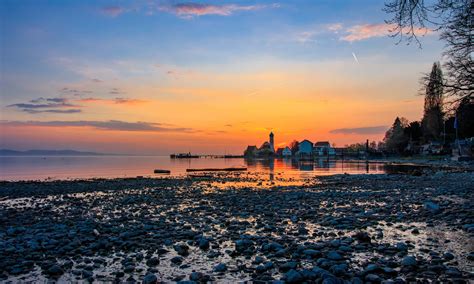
[
  {"x": 361, "y": 32},
  {"x": 115, "y": 125}
]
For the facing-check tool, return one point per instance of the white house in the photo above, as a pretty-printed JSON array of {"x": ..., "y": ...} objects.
[
  {"x": 286, "y": 152},
  {"x": 323, "y": 148},
  {"x": 305, "y": 148}
]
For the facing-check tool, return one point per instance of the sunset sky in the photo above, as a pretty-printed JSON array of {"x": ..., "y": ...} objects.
[{"x": 156, "y": 77}]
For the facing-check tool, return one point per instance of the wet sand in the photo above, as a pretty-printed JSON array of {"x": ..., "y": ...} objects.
[{"x": 240, "y": 226}]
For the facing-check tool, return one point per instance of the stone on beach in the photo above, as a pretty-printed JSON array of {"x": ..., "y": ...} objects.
[
  {"x": 432, "y": 207},
  {"x": 409, "y": 261},
  {"x": 123, "y": 230}
]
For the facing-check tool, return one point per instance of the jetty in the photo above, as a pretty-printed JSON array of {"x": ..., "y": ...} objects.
[
  {"x": 217, "y": 170},
  {"x": 194, "y": 156}
]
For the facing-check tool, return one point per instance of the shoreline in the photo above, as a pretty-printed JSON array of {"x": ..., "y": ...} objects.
[
  {"x": 228, "y": 228},
  {"x": 410, "y": 164}
]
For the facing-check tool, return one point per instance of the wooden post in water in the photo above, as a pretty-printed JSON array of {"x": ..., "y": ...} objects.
[
  {"x": 367, "y": 150},
  {"x": 367, "y": 156}
]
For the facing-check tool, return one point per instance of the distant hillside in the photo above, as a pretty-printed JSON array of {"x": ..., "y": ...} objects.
[{"x": 8, "y": 152}]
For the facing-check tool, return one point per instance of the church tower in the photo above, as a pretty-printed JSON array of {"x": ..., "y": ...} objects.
[{"x": 272, "y": 142}]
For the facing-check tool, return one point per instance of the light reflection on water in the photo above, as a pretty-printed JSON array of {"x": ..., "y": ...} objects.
[{"x": 72, "y": 167}]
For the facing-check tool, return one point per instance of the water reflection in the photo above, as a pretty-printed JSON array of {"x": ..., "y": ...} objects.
[
  {"x": 307, "y": 168},
  {"x": 28, "y": 168}
]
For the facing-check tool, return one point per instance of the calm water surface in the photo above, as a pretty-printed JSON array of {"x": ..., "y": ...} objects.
[{"x": 69, "y": 167}]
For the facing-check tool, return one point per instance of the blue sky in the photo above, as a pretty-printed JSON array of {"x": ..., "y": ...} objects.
[{"x": 174, "y": 51}]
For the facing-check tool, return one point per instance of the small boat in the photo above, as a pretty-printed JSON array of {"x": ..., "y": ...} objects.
[
  {"x": 158, "y": 171},
  {"x": 183, "y": 156}
]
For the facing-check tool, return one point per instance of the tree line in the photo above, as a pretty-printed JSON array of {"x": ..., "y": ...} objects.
[
  {"x": 442, "y": 121},
  {"x": 439, "y": 123}
]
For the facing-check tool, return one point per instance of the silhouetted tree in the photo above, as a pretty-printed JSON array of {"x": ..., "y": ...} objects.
[
  {"x": 465, "y": 117},
  {"x": 413, "y": 131},
  {"x": 454, "y": 18},
  {"x": 449, "y": 129},
  {"x": 294, "y": 146},
  {"x": 373, "y": 145},
  {"x": 458, "y": 35},
  {"x": 395, "y": 138},
  {"x": 432, "y": 122},
  {"x": 356, "y": 147}
]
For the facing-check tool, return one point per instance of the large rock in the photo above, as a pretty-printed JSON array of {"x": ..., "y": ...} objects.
[
  {"x": 288, "y": 266},
  {"x": 181, "y": 249},
  {"x": 311, "y": 253},
  {"x": 221, "y": 267},
  {"x": 55, "y": 270},
  {"x": 373, "y": 278},
  {"x": 432, "y": 207},
  {"x": 293, "y": 276},
  {"x": 409, "y": 261},
  {"x": 334, "y": 255},
  {"x": 362, "y": 237},
  {"x": 243, "y": 245},
  {"x": 154, "y": 261},
  {"x": 150, "y": 279},
  {"x": 203, "y": 243}
]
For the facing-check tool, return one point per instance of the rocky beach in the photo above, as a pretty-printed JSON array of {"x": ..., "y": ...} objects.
[{"x": 381, "y": 228}]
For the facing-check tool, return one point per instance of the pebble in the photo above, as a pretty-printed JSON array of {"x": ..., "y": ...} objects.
[
  {"x": 409, "y": 261},
  {"x": 86, "y": 226},
  {"x": 221, "y": 267},
  {"x": 150, "y": 279},
  {"x": 293, "y": 276}
]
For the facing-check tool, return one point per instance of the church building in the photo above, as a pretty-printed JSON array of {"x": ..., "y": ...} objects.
[{"x": 266, "y": 150}]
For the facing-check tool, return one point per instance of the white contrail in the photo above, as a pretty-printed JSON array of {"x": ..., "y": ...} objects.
[{"x": 355, "y": 58}]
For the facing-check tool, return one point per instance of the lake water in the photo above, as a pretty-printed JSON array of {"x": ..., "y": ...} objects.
[{"x": 73, "y": 167}]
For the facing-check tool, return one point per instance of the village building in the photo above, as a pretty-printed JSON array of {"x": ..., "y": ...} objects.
[
  {"x": 323, "y": 148},
  {"x": 305, "y": 148},
  {"x": 286, "y": 152}
]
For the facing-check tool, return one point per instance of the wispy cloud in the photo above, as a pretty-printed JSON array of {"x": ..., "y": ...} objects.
[
  {"x": 112, "y": 11},
  {"x": 64, "y": 105},
  {"x": 366, "y": 31},
  {"x": 115, "y": 125},
  {"x": 128, "y": 101},
  {"x": 361, "y": 130},
  {"x": 34, "y": 111},
  {"x": 351, "y": 33},
  {"x": 306, "y": 36},
  {"x": 190, "y": 10},
  {"x": 75, "y": 92},
  {"x": 116, "y": 91},
  {"x": 336, "y": 27},
  {"x": 310, "y": 34},
  {"x": 41, "y": 105}
]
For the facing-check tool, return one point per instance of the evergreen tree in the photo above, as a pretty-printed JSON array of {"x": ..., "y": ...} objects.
[
  {"x": 395, "y": 138},
  {"x": 432, "y": 122},
  {"x": 413, "y": 131}
]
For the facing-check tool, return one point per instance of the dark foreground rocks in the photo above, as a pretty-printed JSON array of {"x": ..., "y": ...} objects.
[{"x": 339, "y": 229}]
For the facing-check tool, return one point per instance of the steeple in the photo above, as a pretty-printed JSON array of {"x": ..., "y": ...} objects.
[{"x": 272, "y": 142}]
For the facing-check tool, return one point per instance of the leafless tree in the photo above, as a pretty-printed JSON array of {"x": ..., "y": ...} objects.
[{"x": 454, "y": 20}]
